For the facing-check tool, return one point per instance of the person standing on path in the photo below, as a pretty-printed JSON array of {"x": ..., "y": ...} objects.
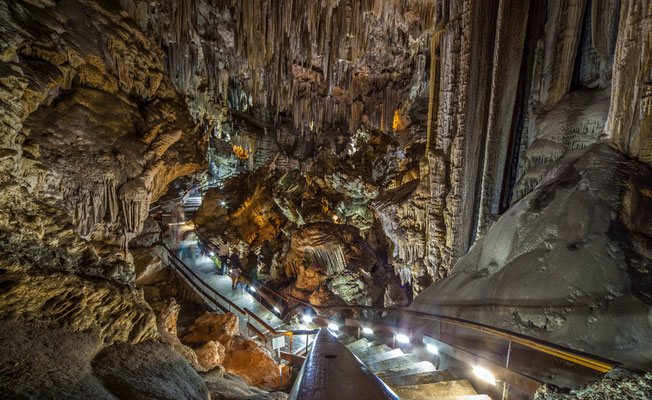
[
  {"x": 224, "y": 257},
  {"x": 236, "y": 266}
]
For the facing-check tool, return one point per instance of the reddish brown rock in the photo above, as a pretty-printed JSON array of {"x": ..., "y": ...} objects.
[
  {"x": 210, "y": 355},
  {"x": 212, "y": 326},
  {"x": 255, "y": 365}
]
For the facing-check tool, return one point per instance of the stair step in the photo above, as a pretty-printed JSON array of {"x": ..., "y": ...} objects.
[
  {"x": 465, "y": 397},
  {"x": 371, "y": 351},
  {"x": 358, "y": 344},
  {"x": 439, "y": 390},
  {"x": 422, "y": 366},
  {"x": 347, "y": 339},
  {"x": 378, "y": 357},
  {"x": 418, "y": 378},
  {"x": 393, "y": 362}
]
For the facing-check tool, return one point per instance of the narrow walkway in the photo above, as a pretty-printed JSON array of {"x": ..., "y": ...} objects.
[
  {"x": 205, "y": 268},
  {"x": 189, "y": 252}
]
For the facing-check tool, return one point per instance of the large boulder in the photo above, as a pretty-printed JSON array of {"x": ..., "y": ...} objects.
[
  {"x": 255, "y": 365},
  {"x": 151, "y": 265},
  {"x": 232, "y": 387},
  {"x": 149, "y": 370},
  {"x": 570, "y": 263},
  {"x": 49, "y": 363},
  {"x": 212, "y": 326},
  {"x": 210, "y": 354}
]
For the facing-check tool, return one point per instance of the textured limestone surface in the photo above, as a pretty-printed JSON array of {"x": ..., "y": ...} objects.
[
  {"x": 230, "y": 387},
  {"x": 91, "y": 123},
  {"x": 216, "y": 341},
  {"x": 63, "y": 364},
  {"x": 569, "y": 263},
  {"x": 617, "y": 384},
  {"x": 92, "y": 130}
]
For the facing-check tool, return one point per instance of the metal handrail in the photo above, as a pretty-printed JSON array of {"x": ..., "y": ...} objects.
[
  {"x": 185, "y": 270},
  {"x": 580, "y": 358},
  {"x": 212, "y": 290}
]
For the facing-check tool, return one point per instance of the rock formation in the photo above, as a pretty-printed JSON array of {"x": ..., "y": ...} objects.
[
  {"x": 554, "y": 266},
  {"x": 216, "y": 341},
  {"x": 363, "y": 152}
]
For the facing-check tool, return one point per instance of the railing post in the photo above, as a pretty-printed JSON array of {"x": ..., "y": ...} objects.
[
  {"x": 505, "y": 385},
  {"x": 291, "y": 336}
]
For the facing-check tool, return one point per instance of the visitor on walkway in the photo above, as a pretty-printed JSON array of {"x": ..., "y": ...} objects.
[
  {"x": 235, "y": 268},
  {"x": 224, "y": 257}
]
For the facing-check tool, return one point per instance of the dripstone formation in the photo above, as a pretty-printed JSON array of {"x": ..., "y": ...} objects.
[{"x": 488, "y": 160}]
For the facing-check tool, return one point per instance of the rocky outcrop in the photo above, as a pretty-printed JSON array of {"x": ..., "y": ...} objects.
[
  {"x": 64, "y": 364},
  {"x": 92, "y": 123},
  {"x": 92, "y": 130},
  {"x": 217, "y": 342},
  {"x": 148, "y": 370},
  {"x": 617, "y": 384},
  {"x": 231, "y": 387},
  {"x": 210, "y": 354},
  {"x": 212, "y": 326},
  {"x": 254, "y": 364},
  {"x": 569, "y": 263}
]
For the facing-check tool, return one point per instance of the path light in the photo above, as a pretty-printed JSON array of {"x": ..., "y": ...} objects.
[
  {"x": 306, "y": 318},
  {"x": 402, "y": 338},
  {"x": 210, "y": 253},
  {"x": 432, "y": 348},
  {"x": 253, "y": 289},
  {"x": 333, "y": 327},
  {"x": 277, "y": 310},
  {"x": 367, "y": 331},
  {"x": 223, "y": 203},
  {"x": 484, "y": 374}
]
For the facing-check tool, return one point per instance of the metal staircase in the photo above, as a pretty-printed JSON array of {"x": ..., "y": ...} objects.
[{"x": 409, "y": 377}]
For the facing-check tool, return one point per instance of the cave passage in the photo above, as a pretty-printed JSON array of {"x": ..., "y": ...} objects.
[{"x": 298, "y": 199}]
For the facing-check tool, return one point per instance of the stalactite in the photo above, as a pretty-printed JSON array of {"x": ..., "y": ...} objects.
[{"x": 281, "y": 40}]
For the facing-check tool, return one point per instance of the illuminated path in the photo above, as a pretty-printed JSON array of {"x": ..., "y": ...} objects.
[{"x": 206, "y": 269}]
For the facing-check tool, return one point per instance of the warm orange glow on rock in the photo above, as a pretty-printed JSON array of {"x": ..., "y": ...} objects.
[
  {"x": 240, "y": 152},
  {"x": 397, "y": 120}
]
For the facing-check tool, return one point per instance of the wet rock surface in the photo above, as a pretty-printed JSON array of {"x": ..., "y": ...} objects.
[
  {"x": 617, "y": 384},
  {"x": 554, "y": 266}
]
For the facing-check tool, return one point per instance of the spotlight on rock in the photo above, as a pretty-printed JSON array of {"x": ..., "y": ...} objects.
[
  {"x": 402, "y": 338},
  {"x": 306, "y": 318},
  {"x": 484, "y": 374},
  {"x": 432, "y": 348},
  {"x": 367, "y": 331}
]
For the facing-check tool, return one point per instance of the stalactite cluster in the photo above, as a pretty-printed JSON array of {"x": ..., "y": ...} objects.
[{"x": 321, "y": 64}]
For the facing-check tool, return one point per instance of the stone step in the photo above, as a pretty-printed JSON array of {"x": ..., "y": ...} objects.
[
  {"x": 347, "y": 339},
  {"x": 393, "y": 363},
  {"x": 358, "y": 344},
  {"x": 421, "y": 366},
  {"x": 371, "y": 351},
  {"x": 418, "y": 378},
  {"x": 466, "y": 397},
  {"x": 372, "y": 359},
  {"x": 439, "y": 390}
]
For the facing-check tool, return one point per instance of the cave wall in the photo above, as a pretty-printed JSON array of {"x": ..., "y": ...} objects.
[
  {"x": 496, "y": 90},
  {"x": 91, "y": 132}
]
